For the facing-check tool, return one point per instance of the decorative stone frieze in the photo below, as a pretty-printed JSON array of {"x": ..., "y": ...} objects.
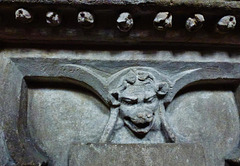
[{"x": 99, "y": 23}]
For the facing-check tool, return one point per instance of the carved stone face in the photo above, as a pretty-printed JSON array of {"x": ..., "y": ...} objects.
[
  {"x": 138, "y": 98},
  {"x": 138, "y": 106}
]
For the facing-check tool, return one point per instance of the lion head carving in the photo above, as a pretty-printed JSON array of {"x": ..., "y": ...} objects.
[{"x": 137, "y": 100}]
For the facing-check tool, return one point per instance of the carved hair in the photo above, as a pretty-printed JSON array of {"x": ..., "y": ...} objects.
[{"x": 136, "y": 77}]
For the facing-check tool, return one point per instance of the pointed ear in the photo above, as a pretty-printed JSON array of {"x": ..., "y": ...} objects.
[
  {"x": 114, "y": 98},
  {"x": 162, "y": 88}
]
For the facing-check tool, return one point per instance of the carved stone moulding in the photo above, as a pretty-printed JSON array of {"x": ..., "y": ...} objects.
[{"x": 100, "y": 22}]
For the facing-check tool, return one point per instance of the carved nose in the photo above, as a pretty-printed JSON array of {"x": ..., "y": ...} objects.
[{"x": 145, "y": 115}]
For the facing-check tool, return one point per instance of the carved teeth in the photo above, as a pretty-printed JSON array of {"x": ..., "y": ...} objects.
[
  {"x": 23, "y": 15},
  {"x": 125, "y": 22},
  {"x": 226, "y": 24},
  {"x": 53, "y": 19},
  {"x": 195, "y": 23},
  {"x": 85, "y": 19},
  {"x": 162, "y": 21},
  {"x": 149, "y": 115}
]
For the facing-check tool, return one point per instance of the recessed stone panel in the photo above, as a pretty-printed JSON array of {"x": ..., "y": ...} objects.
[
  {"x": 207, "y": 117},
  {"x": 57, "y": 117}
]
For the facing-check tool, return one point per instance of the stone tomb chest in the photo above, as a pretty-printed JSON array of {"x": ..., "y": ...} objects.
[{"x": 119, "y": 83}]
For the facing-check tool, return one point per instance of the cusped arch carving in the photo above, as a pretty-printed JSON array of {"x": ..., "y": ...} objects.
[{"x": 21, "y": 146}]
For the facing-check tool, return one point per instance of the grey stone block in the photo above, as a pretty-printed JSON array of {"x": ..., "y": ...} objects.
[{"x": 137, "y": 155}]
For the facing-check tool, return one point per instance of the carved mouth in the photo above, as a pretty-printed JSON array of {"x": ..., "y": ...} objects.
[
  {"x": 141, "y": 128},
  {"x": 142, "y": 125}
]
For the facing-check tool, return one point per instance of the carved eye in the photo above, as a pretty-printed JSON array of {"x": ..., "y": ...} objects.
[
  {"x": 129, "y": 101},
  {"x": 150, "y": 99}
]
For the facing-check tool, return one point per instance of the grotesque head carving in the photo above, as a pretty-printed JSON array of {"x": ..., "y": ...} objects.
[{"x": 138, "y": 100}]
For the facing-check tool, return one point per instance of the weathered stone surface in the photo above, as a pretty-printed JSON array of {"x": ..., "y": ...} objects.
[
  {"x": 66, "y": 104},
  {"x": 55, "y": 98},
  {"x": 135, "y": 155},
  {"x": 209, "y": 118},
  {"x": 64, "y": 114},
  {"x": 4, "y": 156}
]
